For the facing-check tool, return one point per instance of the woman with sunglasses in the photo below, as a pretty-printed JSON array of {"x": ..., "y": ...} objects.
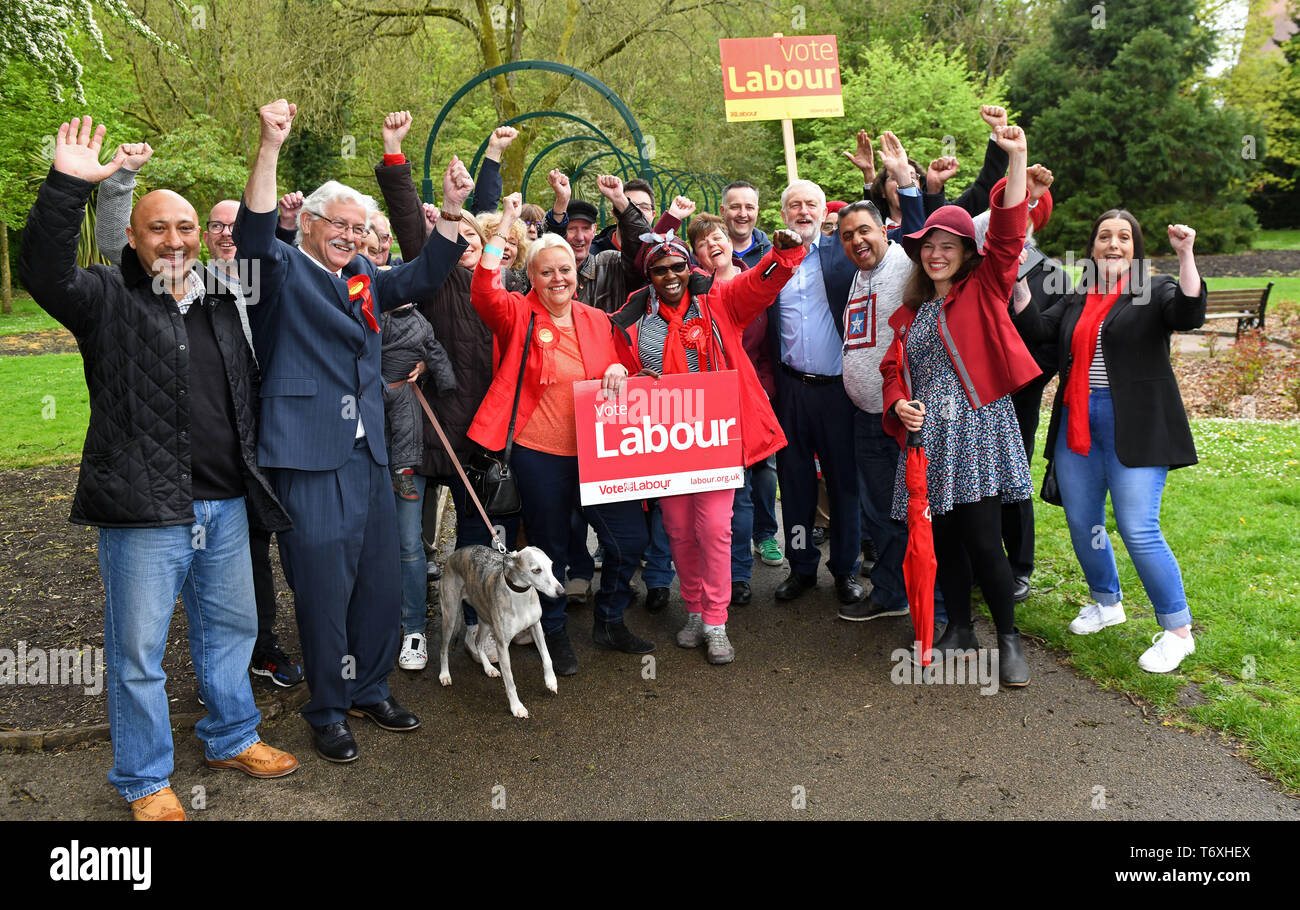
[{"x": 685, "y": 321}]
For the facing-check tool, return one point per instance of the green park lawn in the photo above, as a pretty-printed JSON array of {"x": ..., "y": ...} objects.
[
  {"x": 48, "y": 407},
  {"x": 26, "y": 317},
  {"x": 1277, "y": 240}
]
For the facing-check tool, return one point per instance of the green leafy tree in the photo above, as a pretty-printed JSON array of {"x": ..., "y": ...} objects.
[{"x": 1110, "y": 104}]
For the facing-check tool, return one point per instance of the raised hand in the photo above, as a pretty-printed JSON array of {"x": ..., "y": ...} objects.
[
  {"x": 994, "y": 116},
  {"x": 563, "y": 192},
  {"x": 1181, "y": 238},
  {"x": 396, "y": 126},
  {"x": 1010, "y": 139},
  {"x": 610, "y": 187},
  {"x": 137, "y": 153},
  {"x": 290, "y": 207},
  {"x": 864, "y": 159},
  {"x": 786, "y": 239},
  {"x": 500, "y": 140},
  {"x": 456, "y": 186},
  {"x": 276, "y": 119},
  {"x": 430, "y": 216},
  {"x": 940, "y": 172},
  {"x": 894, "y": 158},
  {"x": 76, "y": 151},
  {"x": 1039, "y": 179},
  {"x": 682, "y": 208},
  {"x": 511, "y": 207}
]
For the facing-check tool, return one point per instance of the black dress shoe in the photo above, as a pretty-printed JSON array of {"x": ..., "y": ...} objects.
[
  {"x": 1013, "y": 669},
  {"x": 334, "y": 742},
  {"x": 794, "y": 586},
  {"x": 848, "y": 589},
  {"x": 1020, "y": 592},
  {"x": 818, "y": 535},
  {"x": 618, "y": 637},
  {"x": 740, "y": 593},
  {"x": 387, "y": 714},
  {"x": 563, "y": 661},
  {"x": 956, "y": 640},
  {"x": 655, "y": 599},
  {"x": 867, "y": 608}
]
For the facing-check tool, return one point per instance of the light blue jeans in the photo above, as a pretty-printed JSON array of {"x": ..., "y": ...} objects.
[
  {"x": 415, "y": 568},
  {"x": 1135, "y": 496},
  {"x": 144, "y": 569}
]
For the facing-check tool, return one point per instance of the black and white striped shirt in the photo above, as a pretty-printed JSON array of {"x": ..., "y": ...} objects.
[{"x": 652, "y": 333}]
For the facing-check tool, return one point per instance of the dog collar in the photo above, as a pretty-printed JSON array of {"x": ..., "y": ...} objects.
[{"x": 512, "y": 587}]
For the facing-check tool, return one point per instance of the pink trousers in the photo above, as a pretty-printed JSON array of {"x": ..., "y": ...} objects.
[{"x": 699, "y": 534}]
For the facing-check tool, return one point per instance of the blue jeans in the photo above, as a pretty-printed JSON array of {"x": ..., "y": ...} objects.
[
  {"x": 877, "y": 454},
  {"x": 1135, "y": 496},
  {"x": 548, "y": 492},
  {"x": 658, "y": 569},
  {"x": 761, "y": 481},
  {"x": 415, "y": 568},
  {"x": 144, "y": 569},
  {"x": 742, "y": 530}
]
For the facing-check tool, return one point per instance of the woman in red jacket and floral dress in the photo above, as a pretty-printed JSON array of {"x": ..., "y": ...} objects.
[
  {"x": 958, "y": 358},
  {"x": 686, "y": 322}
]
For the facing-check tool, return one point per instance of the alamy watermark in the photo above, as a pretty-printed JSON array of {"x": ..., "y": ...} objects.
[
  {"x": 955, "y": 670},
  {"x": 23, "y": 666}
]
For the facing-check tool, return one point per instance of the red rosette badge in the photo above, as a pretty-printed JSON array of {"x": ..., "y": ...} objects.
[
  {"x": 359, "y": 289},
  {"x": 693, "y": 334}
]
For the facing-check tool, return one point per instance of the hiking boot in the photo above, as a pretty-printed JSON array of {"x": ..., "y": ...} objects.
[
  {"x": 691, "y": 635},
  {"x": 719, "y": 649}
]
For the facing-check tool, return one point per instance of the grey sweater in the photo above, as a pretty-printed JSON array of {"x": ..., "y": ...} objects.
[{"x": 873, "y": 298}]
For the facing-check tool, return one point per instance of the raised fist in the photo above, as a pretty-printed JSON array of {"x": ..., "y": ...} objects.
[
  {"x": 786, "y": 239},
  {"x": 941, "y": 171},
  {"x": 1039, "y": 179},
  {"x": 994, "y": 116},
  {"x": 610, "y": 186},
  {"x": 76, "y": 151},
  {"x": 682, "y": 208},
  {"x": 500, "y": 140},
  {"x": 1010, "y": 138},
  {"x": 396, "y": 126},
  {"x": 456, "y": 186},
  {"x": 276, "y": 119},
  {"x": 560, "y": 184},
  {"x": 137, "y": 153},
  {"x": 511, "y": 206},
  {"x": 290, "y": 207},
  {"x": 1181, "y": 238}
]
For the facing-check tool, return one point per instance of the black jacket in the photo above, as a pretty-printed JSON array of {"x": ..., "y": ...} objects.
[
  {"x": 135, "y": 465},
  {"x": 1151, "y": 427}
]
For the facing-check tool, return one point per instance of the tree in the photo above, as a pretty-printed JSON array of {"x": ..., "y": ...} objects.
[{"x": 1112, "y": 106}]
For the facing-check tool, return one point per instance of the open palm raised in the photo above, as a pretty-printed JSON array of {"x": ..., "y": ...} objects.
[{"x": 76, "y": 151}]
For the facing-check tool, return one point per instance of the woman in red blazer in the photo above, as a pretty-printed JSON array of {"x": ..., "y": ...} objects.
[
  {"x": 689, "y": 322},
  {"x": 571, "y": 342},
  {"x": 955, "y": 360}
]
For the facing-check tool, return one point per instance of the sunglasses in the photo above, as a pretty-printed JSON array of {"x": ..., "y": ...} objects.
[{"x": 678, "y": 268}]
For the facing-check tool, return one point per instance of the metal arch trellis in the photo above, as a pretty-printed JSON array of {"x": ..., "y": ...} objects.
[
  {"x": 545, "y": 65},
  {"x": 533, "y": 115},
  {"x": 532, "y": 165}
]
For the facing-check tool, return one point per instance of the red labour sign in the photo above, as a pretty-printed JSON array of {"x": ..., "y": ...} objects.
[{"x": 667, "y": 437}]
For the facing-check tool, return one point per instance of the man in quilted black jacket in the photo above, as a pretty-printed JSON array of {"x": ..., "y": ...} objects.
[{"x": 169, "y": 469}]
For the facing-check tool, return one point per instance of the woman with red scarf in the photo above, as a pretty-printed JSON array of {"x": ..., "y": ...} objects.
[
  {"x": 685, "y": 322},
  {"x": 1118, "y": 423}
]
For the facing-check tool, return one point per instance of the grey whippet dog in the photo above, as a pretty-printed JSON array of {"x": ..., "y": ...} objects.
[{"x": 503, "y": 588}]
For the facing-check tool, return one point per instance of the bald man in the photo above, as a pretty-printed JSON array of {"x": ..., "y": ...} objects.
[
  {"x": 112, "y": 215},
  {"x": 169, "y": 470}
]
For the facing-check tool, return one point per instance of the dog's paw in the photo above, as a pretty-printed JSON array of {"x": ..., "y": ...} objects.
[
  {"x": 444, "y": 678},
  {"x": 519, "y": 710},
  {"x": 492, "y": 671},
  {"x": 552, "y": 684}
]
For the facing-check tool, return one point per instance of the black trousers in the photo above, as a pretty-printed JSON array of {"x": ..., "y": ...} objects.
[
  {"x": 968, "y": 544},
  {"x": 259, "y": 546},
  {"x": 1018, "y": 517}
]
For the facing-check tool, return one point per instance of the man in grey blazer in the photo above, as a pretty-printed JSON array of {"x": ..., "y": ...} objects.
[{"x": 316, "y": 334}]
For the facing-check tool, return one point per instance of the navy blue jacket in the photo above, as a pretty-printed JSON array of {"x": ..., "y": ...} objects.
[{"x": 320, "y": 362}]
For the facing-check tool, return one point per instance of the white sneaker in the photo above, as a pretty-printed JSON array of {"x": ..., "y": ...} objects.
[
  {"x": 480, "y": 636},
  {"x": 1166, "y": 652},
  {"x": 415, "y": 652},
  {"x": 1095, "y": 617}
]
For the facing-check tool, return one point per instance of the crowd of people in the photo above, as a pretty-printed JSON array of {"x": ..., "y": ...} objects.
[{"x": 282, "y": 389}]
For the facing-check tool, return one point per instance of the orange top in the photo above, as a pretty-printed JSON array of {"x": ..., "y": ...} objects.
[{"x": 551, "y": 427}]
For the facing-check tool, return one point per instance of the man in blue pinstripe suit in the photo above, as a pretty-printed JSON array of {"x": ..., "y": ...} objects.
[{"x": 314, "y": 313}]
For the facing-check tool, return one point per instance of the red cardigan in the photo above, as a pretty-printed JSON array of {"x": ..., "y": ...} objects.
[
  {"x": 731, "y": 306},
  {"x": 506, "y": 313},
  {"x": 985, "y": 348}
]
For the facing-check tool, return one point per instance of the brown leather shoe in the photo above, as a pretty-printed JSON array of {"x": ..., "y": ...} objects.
[
  {"x": 162, "y": 806},
  {"x": 259, "y": 760}
]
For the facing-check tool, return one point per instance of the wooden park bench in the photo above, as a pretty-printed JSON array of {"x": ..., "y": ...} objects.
[{"x": 1246, "y": 305}]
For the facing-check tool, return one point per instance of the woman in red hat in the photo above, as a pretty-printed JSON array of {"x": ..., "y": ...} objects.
[{"x": 955, "y": 360}]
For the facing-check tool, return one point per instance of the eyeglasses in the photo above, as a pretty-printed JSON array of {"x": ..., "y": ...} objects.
[
  {"x": 357, "y": 230},
  {"x": 383, "y": 238},
  {"x": 536, "y": 224},
  {"x": 219, "y": 227},
  {"x": 678, "y": 268}
]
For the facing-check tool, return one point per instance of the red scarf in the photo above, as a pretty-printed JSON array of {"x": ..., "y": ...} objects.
[
  {"x": 674, "y": 344},
  {"x": 1082, "y": 348}
]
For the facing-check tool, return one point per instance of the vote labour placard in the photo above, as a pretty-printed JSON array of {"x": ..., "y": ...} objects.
[
  {"x": 781, "y": 78},
  {"x": 666, "y": 437}
]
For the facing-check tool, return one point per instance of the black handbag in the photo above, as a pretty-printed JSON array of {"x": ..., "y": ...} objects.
[
  {"x": 1050, "y": 493},
  {"x": 488, "y": 472}
]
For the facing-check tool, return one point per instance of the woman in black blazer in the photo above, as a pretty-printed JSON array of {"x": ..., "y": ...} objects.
[{"x": 1113, "y": 335}]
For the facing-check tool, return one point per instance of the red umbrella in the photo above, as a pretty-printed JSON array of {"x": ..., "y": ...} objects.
[{"x": 919, "y": 564}]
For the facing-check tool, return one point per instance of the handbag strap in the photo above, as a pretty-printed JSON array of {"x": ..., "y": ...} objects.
[
  {"x": 519, "y": 384},
  {"x": 469, "y": 488}
]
